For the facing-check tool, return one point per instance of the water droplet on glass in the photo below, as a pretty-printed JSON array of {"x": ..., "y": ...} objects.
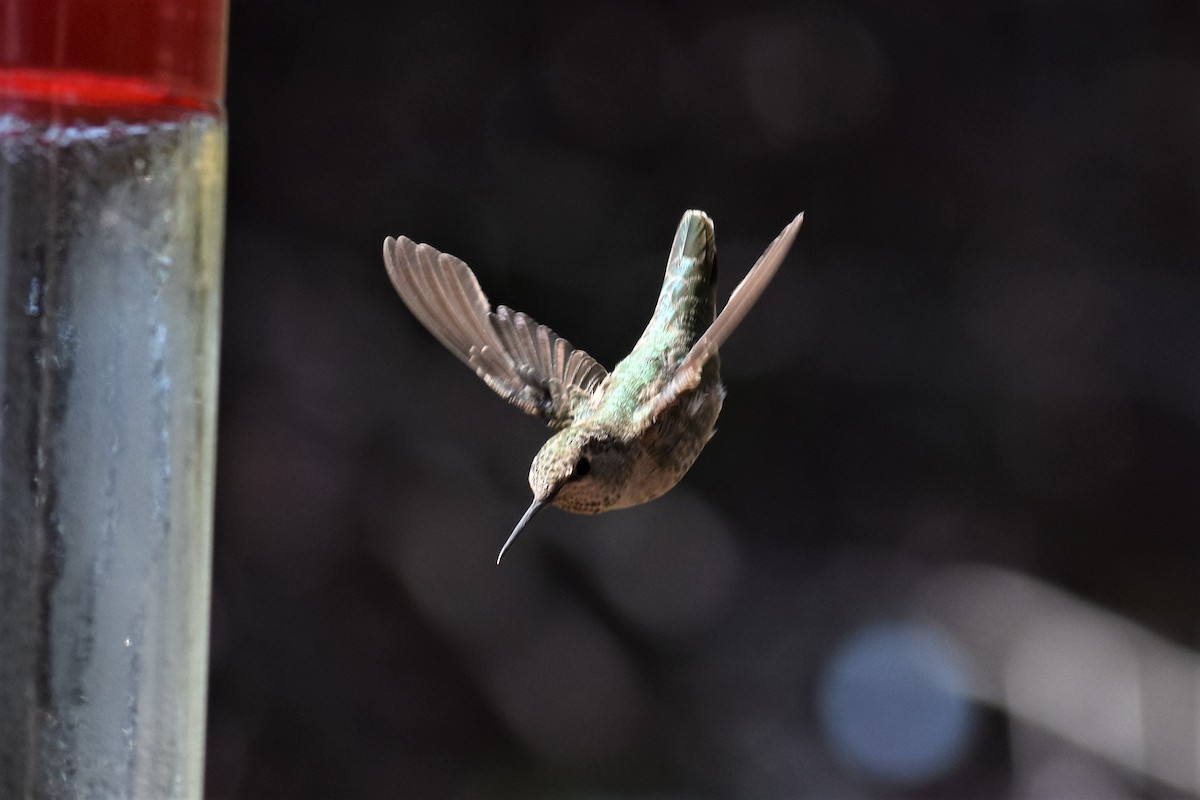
[{"x": 33, "y": 306}]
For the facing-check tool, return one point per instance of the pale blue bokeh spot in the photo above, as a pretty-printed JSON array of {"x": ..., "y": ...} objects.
[{"x": 893, "y": 702}]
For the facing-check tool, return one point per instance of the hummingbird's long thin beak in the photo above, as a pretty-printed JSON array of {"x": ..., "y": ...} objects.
[{"x": 536, "y": 506}]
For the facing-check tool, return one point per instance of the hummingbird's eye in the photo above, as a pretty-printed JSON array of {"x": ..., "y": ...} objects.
[{"x": 582, "y": 467}]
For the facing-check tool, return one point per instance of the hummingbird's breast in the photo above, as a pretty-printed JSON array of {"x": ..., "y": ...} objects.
[{"x": 672, "y": 443}]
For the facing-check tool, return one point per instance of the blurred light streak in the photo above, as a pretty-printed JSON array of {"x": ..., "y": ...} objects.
[
  {"x": 1095, "y": 679},
  {"x": 556, "y": 677},
  {"x": 1065, "y": 777},
  {"x": 567, "y": 690},
  {"x": 669, "y": 569},
  {"x": 435, "y": 551}
]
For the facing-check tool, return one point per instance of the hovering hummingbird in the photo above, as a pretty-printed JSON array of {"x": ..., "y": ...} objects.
[{"x": 626, "y": 436}]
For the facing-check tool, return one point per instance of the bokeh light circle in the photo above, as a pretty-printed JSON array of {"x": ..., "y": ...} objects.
[{"x": 893, "y": 702}]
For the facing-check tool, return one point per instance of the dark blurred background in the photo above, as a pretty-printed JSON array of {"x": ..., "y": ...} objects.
[{"x": 944, "y": 544}]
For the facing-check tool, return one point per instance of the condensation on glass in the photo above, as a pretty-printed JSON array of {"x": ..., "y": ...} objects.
[{"x": 111, "y": 211}]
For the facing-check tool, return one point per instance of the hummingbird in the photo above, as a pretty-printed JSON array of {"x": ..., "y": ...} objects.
[{"x": 623, "y": 437}]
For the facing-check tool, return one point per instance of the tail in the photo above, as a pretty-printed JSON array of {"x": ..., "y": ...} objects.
[
  {"x": 686, "y": 304},
  {"x": 695, "y": 241}
]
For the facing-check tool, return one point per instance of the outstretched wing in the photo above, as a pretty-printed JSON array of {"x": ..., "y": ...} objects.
[
  {"x": 687, "y": 376},
  {"x": 525, "y": 363}
]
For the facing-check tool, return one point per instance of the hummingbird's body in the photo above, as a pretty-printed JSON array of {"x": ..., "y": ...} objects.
[
  {"x": 624, "y": 437},
  {"x": 657, "y": 447}
]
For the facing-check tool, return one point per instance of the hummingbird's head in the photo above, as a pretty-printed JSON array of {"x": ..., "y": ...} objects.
[{"x": 578, "y": 470}]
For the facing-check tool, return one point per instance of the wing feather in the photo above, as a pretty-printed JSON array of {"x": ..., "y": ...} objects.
[{"x": 524, "y": 362}]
